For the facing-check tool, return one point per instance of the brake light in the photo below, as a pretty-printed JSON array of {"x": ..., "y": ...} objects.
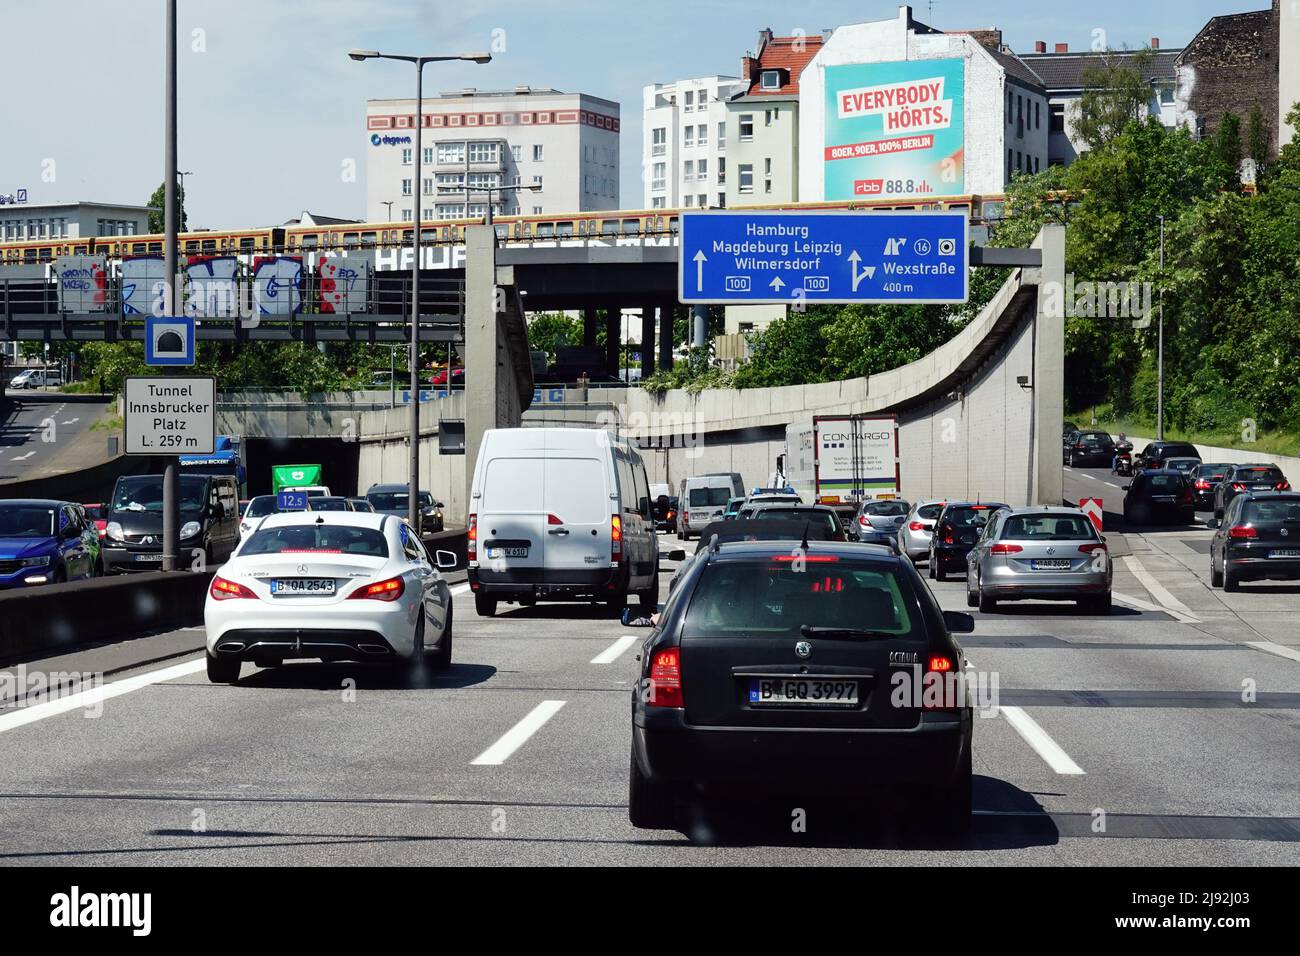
[
  {"x": 947, "y": 538},
  {"x": 810, "y": 558},
  {"x": 1242, "y": 531},
  {"x": 615, "y": 537},
  {"x": 223, "y": 590},
  {"x": 388, "y": 590},
  {"x": 863, "y": 520},
  {"x": 666, "y": 678},
  {"x": 1202, "y": 484},
  {"x": 915, "y": 526},
  {"x": 1091, "y": 548},
  {"x": 471, "y": 538},
  {"x": 671, "y": 513},
  {"x": 1079, "y": 447},
  {"x": 1284, "y": 486},
  {"x": 939, "y": 663},
  {"x": 1005, "y": 549},
  {"x": 1238, "y": 486}
]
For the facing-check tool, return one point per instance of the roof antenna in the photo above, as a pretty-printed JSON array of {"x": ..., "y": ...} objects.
[
  {"x": 804, "y": 543},
  {"x": 320, "y": 519}
]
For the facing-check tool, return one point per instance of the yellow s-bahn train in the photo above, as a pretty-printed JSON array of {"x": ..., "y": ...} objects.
[{"x": 302, "y": 240}]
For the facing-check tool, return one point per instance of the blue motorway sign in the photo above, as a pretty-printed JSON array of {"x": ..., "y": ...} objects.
[
  {"x": 738, "y": 257},
  {"x": 168, "y": 340},
  {"x": 292, "y": 501}
]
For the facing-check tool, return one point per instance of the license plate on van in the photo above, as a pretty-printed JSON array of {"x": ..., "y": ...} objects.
[
  {"x": 507, "y": 552},
  {"x": 802, "y": 691},
  {"x": 312, "y": 586}
]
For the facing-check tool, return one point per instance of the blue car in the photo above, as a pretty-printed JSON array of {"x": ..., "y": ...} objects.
[{"x": 44, "y": 542}]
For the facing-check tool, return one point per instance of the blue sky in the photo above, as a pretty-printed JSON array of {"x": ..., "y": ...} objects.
[{"x": 271, "y": 107}]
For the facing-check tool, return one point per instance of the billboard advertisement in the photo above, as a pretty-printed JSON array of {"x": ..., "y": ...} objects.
[{"x": 895, "y": 129}]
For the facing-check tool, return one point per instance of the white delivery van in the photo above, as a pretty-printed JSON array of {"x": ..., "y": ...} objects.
[
  {"x": 37, "y": 378},
  {"x": 703, "y": 500},
  {"x": 560, "y": 514}
]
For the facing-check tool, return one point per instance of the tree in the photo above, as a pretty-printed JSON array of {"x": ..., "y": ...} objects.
[
  {"x": 554, "y": 330},
  {"x": 1227, "y": 141},
  {"x": 1115, "y": 93},
  {"x": 158, "y": 206},
  {"x": 1258, "y": 137}
]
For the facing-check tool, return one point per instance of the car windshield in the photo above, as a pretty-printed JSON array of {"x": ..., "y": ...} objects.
[
  {"x": 1271, "y": 512},
  {"x": 261, "y": 506},
  {"x": 772, "y": 597},
  {"x": 27, "y": 521},
  {"x": 885, "y": 509},
  {"x": 145, "y": 493},
  {"x": 828, "y": 518},
  {"x": 929, "y": 512},
  {"x": 93, "y": 512},
  {"x": 1049, "y": 528},
  {"x": 709, "y": 497},
  {"x": 317, "y": 539},
  {"x": 1257, "y": 474},
  {"x": 971, "y": 516}
]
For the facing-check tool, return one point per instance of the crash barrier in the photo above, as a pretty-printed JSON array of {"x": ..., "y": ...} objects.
[
  {"x": 85, "y": 484},
  {"x": 55, "y": 618}
]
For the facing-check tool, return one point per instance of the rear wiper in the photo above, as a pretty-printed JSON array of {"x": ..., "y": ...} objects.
[{"x": 807, "y": 630}]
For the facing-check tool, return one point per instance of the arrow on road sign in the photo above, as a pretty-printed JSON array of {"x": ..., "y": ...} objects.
[
  {"x": 776, "y": 284},
  {"x": 700, "y": 259},
  {"x": 866, "y": 273}
]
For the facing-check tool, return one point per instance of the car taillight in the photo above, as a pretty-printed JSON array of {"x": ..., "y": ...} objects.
[
  {"x": 223, "y": 590},
  {"x": 615, "y": 537},
  {"x": 671, "y": 513},
  {"x": 471, "y": 538},
  {"x": 387, "y": 590},
  {"x": 947, "y": 538},
  {"x": 1283, "y": 486},
  {"x": 940, "y": 690},
  {"x": 1242, "y": 531},
  {"x": 1005, "y": 549},
  {"x": 1202, "y": 484},
  {"x": 666, "y": 678},
  {"x": 1094, "y": 546},
  {"x": 864, "y": 520},
  {"x": 1238, "y": 486},
  {"x": 1079, "y": 447},
  {"x": 939, "y": 663},
  {"x": 915, "y": 526}
]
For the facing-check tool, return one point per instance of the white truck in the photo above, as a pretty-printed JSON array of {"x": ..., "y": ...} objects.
[{"x": 837, "y": 459}]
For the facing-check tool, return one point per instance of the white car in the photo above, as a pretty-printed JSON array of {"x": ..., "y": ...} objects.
[{"x": 331, "y": 586}]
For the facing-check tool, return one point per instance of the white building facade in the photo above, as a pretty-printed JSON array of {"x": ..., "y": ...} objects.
[
  {"x": 684, "y": 142},
  {"x": 566, "y": 144},
  {"x": 20, "y": 222}
]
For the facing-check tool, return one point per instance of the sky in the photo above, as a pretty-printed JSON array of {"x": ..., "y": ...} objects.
[{"x": 271, "y": 110}]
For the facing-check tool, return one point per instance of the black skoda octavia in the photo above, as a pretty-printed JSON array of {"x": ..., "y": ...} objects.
[{"x": 826, "y": 670}]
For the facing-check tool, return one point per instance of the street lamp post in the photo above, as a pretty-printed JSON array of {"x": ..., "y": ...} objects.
[
  {"x": 1160, "y": 344},
  {"x": 389, "y": 204},
  {"x": 413, "y": 490}
]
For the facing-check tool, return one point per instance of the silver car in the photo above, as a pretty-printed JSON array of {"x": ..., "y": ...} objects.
[
  {"x": 917, "y": 527},
  {"x": 1042, "y": 553}
]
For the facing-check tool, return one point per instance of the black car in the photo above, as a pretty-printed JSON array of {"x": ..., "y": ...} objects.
[
  {"x": 1205, "y": 478},
  {"x": 824, "y": 515},
  {"x": 1090, "y": 449},
  {"x": 133, "y": 534},
  {"x": 1156, "y": 453},
  {"x": 955, "y": 533},
  {"x": 1240, "y": 478},
  {"x": 329, "y": 503},
  {"x": 1159, "y": 496},
  {"x": 1258, "y": 539},
  {"x": 393, "y": 498},
  {"x": 765, "y": 676}
]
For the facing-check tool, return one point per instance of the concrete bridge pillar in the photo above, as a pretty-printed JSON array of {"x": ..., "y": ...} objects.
[
  {"x": 613, "y": 338},
  {"x": 666, "y": 335},
  {"x": 647, "y": 341},
  {"x": 1048, "y": 379}
]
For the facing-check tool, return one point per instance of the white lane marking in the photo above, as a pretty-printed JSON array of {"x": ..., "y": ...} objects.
[
  {"x": 1089, "y": 477},
  {"x": 1158, "y": 590},
  {"x": 1037, "y": 738},
  {"x": 1142, "y": 605},
  {"x": 24, "y": 457},
  {"x": 71, "y": 421},
  {"x": 459, "y": 589},
  {"x": 1268, "y": 647},
  {"x": 612, "y": 653},
  {"x": 518, "y": 735},
  {"x": 89, "y": 698}
]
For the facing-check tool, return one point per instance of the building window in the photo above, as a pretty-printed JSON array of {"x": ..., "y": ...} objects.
[
  {"x": 770, "y": 80},
  {"x": 483, "y": 152},
  {"x": 406, "y": 157},
  {"x": 746, "y": 127},
  {"x": 451, "y": 152},
  {"x": 1166, "y": 91},
  {"x": 702, "y": 135},
  {"x": 1038, "y": 114},
  {"x": 406, "y": 187},
  {"x": 537, "y": 210},
  {"x": 428, "y": 187},
  {"x": 688, "y": 170},
  {"x": 690, "y": 101},
  {"x": 746, "y": 178},
  {"x": 516, "y": 153},
  {"x": 451, "y": 179},
  {"x": 428, "y": 155},
  {"x": 767, "y": 166},
  {"x": 658, "y": 179},
  {"x": 722, "y": 200},
  {"x": 1011, "y": 158},
  {"x": 407, "y": 215},
  {"x": 722, "y": 169},
  {"x": 484, "y": 180},
  {"x": 657, "y": 202},
  {"x": 537, "y": 181},
  {"x": 658, "y": 141},
  {"x": 688, "y": 136},
  {"x": 537, "y": 152},
  {"x": 1056, "y": 118},
  {"x": 688, "y": 201},
  {"x": 703, "y": 98},
  {"x": 767, "y": 117},
  {"x": 722, "y": 134},
  {"x": 702, "y": 201},
  {"x": 703, "y": 170}
]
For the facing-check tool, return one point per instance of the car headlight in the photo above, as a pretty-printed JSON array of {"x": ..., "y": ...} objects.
[
  {"x": 113, "y": 531},
  {"x": 189, "y": 529},
  {"x": 35, "y": 562}
]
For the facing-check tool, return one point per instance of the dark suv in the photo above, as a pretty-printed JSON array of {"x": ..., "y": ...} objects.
[
  {"x": 1258, "y": 539},
  {"x": 1156, "y": 453},
  {"x": 1240, "y": 478},
  {"x": 959, "y": 526},
  {"x": 770, "y": 673},
  {"x": 1157, "y": 496},
  {"x": 1089, "y": 449}
]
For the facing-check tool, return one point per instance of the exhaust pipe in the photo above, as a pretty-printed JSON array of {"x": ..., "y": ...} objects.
[
  {"x": 372, "y": 648},
  {"x": 231, "y": 647}
]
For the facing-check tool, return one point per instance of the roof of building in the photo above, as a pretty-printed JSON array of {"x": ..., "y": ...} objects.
[
  {"x": 1064, "y": 71},
  {"x": 1228, "y": 38},
  {"x": 30, "y": 206},
  {"x": 311, "y": 218},
  {"x": 788, "y": 54},
  {"x": 1017, "y": 68}
]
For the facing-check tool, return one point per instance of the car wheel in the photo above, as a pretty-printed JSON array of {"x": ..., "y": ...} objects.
[
  {"x": 972, "y": 594},
  {"x": 485, "y": 605},
  {"x": 410, "y": 667},
  {"x": 1099, "y": 604},
  {"x": 988, "y": 604},
  {"x": 1230, "y": 580},
  {"x": 650, "y": 805},
  {"x": 1216, "y": 576},
  {"x": 951, "y": 805},
  {"x": 223, "y": 670},
  {"x": 442, "y": 659},
  {"x": 929, "y": 563},
  {"x": 937, "y": 564}
]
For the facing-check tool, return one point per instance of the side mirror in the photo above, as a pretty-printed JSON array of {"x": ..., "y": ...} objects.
[
  {"x": 1211, "y": 523},
  {"x": 447, "y": 560},
  {"x": 439, "y": 505},
  {"x": 677, "y": 554},
  {"x": 959, "y": 622}
]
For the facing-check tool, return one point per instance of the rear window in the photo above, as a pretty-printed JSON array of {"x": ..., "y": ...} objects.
[
  {"x": 318, "y": 539},
  {"x": 1179, "y": 451},
  {"x": 709, "y": 497},
  {"x": 1094, "y": 438},
  {"x": 929, "y": 512},
  {"x": 261, "y": 507},
  {"x": 1285, "y": 511},
  {"x": 773, "y": 597},
  {"x": 828, "y": 518},
  {"x": 1165, "y": 484},
  {"x": 1257, "y": 474},
  {"x": 887, "y": 509},
  {"x": 976, "y": 516},
  {"x": 328, "y": 504},
  {"x": 1212, "y": 471},
  {"x": 1049, "y": 528}
]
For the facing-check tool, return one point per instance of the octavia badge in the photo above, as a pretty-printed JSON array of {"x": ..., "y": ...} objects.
[{"x": 803, "y": 649}]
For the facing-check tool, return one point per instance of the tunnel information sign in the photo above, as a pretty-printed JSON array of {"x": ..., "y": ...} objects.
[{"x": 170, "y": 416}]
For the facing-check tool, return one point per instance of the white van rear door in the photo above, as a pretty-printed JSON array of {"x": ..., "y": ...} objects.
[
  {"x": 577, "y": 497},
  {"x": 512, "y": 515}
]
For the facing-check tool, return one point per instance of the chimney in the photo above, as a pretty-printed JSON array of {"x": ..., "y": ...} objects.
[
  {"x": 1155, "y": 43},
  {"x": 1062, "y": 48},
  {"x": 764, "y": 38},
  {"x": 747, "y": 66},
  {"x": 1040, "y": 46}
]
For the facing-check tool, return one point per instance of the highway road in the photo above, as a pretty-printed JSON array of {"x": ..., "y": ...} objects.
[
  {"x": 1119, "y": 740},
  {"x": 44, "y": 433}
]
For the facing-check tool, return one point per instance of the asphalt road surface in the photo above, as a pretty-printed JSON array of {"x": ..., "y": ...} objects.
[
  {"x": 44, "y": 433},
  {"x": 1164, "y": 734}
]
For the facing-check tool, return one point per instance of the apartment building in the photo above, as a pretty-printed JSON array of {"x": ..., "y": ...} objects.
[{"x": 684, "y": 159}]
